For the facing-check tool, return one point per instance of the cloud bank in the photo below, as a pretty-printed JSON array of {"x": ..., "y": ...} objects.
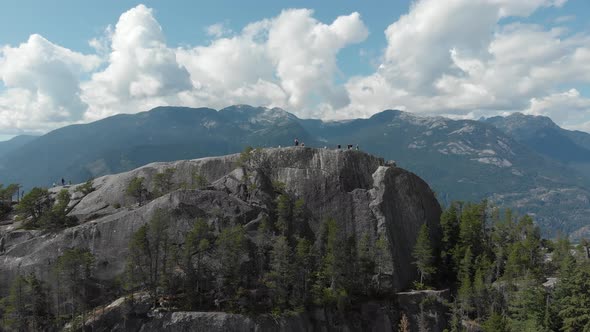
[{"x": 454, "y": 57}]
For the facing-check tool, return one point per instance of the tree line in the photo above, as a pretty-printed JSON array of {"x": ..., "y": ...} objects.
[
  {"x": 283, "y": 268},
  {"x": 497, "y": 266}
]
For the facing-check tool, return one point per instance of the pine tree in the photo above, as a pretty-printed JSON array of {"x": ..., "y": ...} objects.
[
  {"x": 281, "y": 272},
  {"x": 231, "y": 252},
  {"x": 465, "y": 292},
  {"x": 197, "y": 244},
  {"x": 449, "y": 221},
  {"x": 136, "y": 189},
  {"x": 303, "y": 268},
  {"x": 16, "y": 312},
  {"x": 501, "y": 240},
  {"x": 284, "y": 214},
  {"x": 41, "y": 317},
  {"x": 73, "y": 270},
  {"x": 163, "y": 182},
  {"x": 527, "y": 306},
  {"x": 366, "y": 261},
  {"x": 150, "y": 254},
  {"x": 34, "y": 204},
  {"x": 330, "y": 279},
  {"x": 300, "y": 217},
  {"x": 573, "y": 297},
  {"x": 495, "y": 323},
  {"x": 424, "y": 259}
]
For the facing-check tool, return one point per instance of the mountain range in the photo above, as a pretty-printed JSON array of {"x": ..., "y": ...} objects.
[{"x": 523, "y": 162}]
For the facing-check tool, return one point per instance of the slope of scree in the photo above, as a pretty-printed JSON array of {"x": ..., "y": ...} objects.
[{"x": 365, "y": 195}]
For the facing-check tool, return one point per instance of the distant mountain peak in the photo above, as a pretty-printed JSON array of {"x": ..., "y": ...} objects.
[{"x": 517, "y": 120}]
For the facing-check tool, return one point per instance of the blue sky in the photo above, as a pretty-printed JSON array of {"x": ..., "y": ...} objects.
[{"x": 431, "y": 57}]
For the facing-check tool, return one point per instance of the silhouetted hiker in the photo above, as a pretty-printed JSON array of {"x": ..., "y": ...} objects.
[
  {"x": 303, "y": 144},
  {"x": 296, "y": 142},
  {"x": 338, "y": 146},
  {"x": 349, "y": 146},
  {"x": 357, "y": 147},
  {"x": 63, "y": 182}
]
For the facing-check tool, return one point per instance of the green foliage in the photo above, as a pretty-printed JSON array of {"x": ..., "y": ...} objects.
[
  {"x": 150, "y": 253},
  {"x": 73, "y": 272},
  {"x": 198, "y": 181},
  {"x": 136, "y": 189},
  {"x": 279, "y": 186},
  {"x": 163, "y": 182},
  {"x": 56, "y": 217},
  {"x": 284, "y": 214},
  {"x": 366, "y": 262},
  {"x": 500, "y": 269},
  {"x": 572, "y": 295},
  {"x": 303, "y": 269},
  {"x": 383, "y": 254},
  {"x": 422, "y": 254},
  {"x": 34, "y": 204},
  {"x": 197, "y": 245},
  {"x": 334, "y": 272},
  {"x": 495, "y": 323},
  {"x": 5, "y": 209},
  {"x": 245, "y": 156},
  {"x": 280, "y": 276},
  {"x": 27, "y": 306},
  {"x": 6, "y": 194},
  {"x": 449, "y": 222},
  {"x": 527, "y": 306},
  {"x": 86, "y": 188},
  {"x": 230, "y": 250}
]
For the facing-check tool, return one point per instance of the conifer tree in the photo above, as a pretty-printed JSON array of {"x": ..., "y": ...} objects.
[
  {"x": 465, "y": 292},
  {"x": 231, "y": 252},
  {"x": 366, "y": 261},
  {"x": 17, "y": 307},
  {"x": 197, "y": 244},
  {"x": 136, "y": 189},
  {"x": 573, "y": 296},
  {"x": 284, "y": 214},
  {"x": 280, "y": 275},
  {"x": 150, "y": 255},
  {"x": 527, "y": 306},
  {"x": 34, "y": 204},
  {"x": 303, "y": 268},
  {"x": 423, "y": 257},
  {"x": 163, "y": 182},
  {"x": 73, "y": 270},
  {"x": 449, "y": 221}
]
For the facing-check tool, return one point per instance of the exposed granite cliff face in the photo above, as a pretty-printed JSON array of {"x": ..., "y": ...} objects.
[{"x": 363, "y": 194}]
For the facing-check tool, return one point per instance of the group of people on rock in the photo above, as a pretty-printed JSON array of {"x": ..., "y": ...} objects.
[
  {"x": 297, "y": 142},
  {"x": 348, "y": 146}
]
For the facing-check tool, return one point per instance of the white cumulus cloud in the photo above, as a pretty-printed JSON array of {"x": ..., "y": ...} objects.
[
  {"x": 142, "y": 71},
  {"x": 457, "y": 57},
  {"x": 42, "y": 85}
]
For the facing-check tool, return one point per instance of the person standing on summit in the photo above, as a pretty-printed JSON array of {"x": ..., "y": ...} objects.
[
  {"x": 63, "y": 182},
  {"x": 296, "y": 142}
]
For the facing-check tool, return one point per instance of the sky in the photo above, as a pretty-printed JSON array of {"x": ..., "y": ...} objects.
[{"x": 76, "y": 61}]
